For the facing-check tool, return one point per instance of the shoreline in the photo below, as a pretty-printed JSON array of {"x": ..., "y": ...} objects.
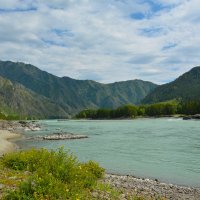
[
  {"x": 156, "y": 179},
  {"x": 10, "y": 131},
  {"x": 149, "y": 188},
  {"x": 134, "y": 118},
  {"x": 6, "y": 145}
]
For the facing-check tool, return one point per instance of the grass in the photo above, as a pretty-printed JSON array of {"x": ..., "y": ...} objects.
[{"x": 53, "y": 175}]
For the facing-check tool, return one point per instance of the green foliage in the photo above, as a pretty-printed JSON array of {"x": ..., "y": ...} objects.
[
  {"x": 126, "y": 111},
  {"x": 141, "y": 110},
  {"x": 2, "y": 115},
  {"x": 189, "y": 107},
  {"x": 39, "y": 187},
  {"x": 54, "y": 175},
  {"x": 161, "y": 109},
  {"x": 103, "y": 113},
  {"x": 88, "y": 113},
  {"x": 129, "y": 111},
  {"x": 132, "y": 111}
]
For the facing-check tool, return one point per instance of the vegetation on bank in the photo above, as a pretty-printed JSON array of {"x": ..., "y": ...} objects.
[
  {"x": 52, "y": 175},
  {"x": 4, "y": 116},
  {"x": 128, "y": 111},
  {"x": 49, "y": 175},
  {"x": 132, "y": 111}
]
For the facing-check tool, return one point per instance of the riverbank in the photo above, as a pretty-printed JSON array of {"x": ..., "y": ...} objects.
[
  {"x": 150, "y": 189},
  {"x": 176, "y": 116},
  {"x": 5, "y": 144},
  {"x": 10, "y": 130}
]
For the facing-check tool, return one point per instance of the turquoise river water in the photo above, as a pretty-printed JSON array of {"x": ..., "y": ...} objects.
[{"x": 167, "y": 149}]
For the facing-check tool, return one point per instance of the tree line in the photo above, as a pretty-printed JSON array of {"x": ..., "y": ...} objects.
[
  {"x": 132, "y": 111},
  {"x": 4, "y": 116},
  {"x": 191, "y": 107}
]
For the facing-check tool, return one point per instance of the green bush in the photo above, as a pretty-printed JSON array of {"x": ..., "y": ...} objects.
[{"x": 53, "y": 175}]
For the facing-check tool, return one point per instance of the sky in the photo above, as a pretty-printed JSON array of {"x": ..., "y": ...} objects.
[{"x": 103, "y": 40}]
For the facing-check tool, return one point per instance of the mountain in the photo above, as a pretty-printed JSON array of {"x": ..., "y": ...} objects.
[
  {"x": 186, "y": 87},
  {"x": 15, "y": 99},
  {"x": 74, "y": 95}
]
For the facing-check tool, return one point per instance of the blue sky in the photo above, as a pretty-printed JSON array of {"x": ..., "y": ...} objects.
[{"x": 103, "y": 40}]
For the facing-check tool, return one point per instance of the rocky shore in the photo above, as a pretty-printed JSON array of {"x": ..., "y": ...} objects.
[
  {"x": 19, "y": 126},
  {"x": 150, "y": 189},
  {"x": 196, "y": 117}
]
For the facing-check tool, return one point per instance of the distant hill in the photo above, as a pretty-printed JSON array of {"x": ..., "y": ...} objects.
[
  {"x": 74, "y": 95},
  {"x": 15, "y": 99},
  {"x": 186, "y": 87}
]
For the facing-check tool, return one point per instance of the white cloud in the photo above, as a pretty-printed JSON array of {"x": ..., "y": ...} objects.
[{"x": 102, "y": 40}]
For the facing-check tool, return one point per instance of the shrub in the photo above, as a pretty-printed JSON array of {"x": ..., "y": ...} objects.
[{"x": 54, "y": 175}]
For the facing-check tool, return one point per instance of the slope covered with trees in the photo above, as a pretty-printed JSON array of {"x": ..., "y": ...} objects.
[
  {"x": 74, "y": 95},
  {"x": 184, "y": 88},
  {"x": 16, "y": 101}
]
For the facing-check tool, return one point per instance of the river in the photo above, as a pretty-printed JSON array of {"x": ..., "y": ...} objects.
[{"x": 167, "y": 149}]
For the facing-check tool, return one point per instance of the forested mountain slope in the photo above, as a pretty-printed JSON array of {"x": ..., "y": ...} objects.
[
  {"x": 186, "y": 87},
  {"x": 74, "y": 95}
]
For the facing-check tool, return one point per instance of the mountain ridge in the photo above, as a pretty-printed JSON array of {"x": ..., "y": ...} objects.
[
  {"x": 185, "y": 87},
  {"x": 74, "y": 95},
  {"x": 16, "y": 100}
]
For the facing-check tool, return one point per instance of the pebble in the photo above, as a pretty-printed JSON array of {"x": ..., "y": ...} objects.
[{"x": 152, "y": 188}]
